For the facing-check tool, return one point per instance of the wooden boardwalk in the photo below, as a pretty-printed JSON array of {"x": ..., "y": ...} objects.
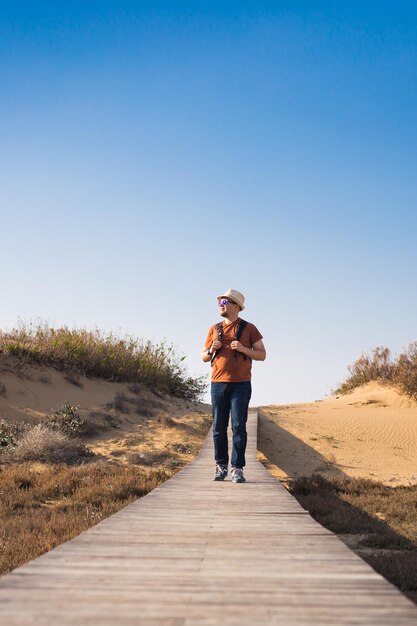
[{"x": 208, "y": 553}]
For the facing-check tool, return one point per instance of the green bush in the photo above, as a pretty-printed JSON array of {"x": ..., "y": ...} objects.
[
  {"x": 10, "y": 432},
  {"x": 7, "y": 437},
  {"x": 67, "y": 419}
]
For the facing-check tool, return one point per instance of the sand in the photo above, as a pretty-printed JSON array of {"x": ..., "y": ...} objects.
[
  {"x": 369, "y": 433},
  {"x": 142, "y": 427}
]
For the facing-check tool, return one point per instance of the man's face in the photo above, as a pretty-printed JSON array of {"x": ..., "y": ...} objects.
[{"x": 226, "y": 306}]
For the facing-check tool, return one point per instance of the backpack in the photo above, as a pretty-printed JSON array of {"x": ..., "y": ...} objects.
[{"x": 238, "y": 334}]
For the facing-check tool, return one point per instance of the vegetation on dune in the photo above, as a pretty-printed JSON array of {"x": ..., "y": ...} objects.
[
  {"x": 67, "y": 419},
  {"x": 368, "y": 500},
  {"x": 381, "y": 519},
  {"x": 39, "y": 511},
  {"x": 379, "y": 365},
  {"x": 42, "y": 443},
  {"x": 91, "y": 353},
  {"x": 52, "y": 486},
  {"x": 55, "y": 440},
  {"x": 10, "y": 432}
]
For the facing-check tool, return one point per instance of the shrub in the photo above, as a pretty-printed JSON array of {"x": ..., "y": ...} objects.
[
  {"x": 67, "y": 419},
  {"x": 10, "y": 432},
  {"x": 379, "y": 366},
  {"x": 406, "y": 370},
  {"x": 120, "y": 402},
  {"x": 48, "y": 445},
  {"x": 99, "y": 421},
  {"x": 90, "y": 353},
  {"x": 6, "y": 435},
  {"x": 376, "y": 366},
  {"x": 147, "y": 407}
]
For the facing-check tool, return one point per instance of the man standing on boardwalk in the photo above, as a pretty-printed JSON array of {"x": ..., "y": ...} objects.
[{"x": 231, "y": 346}]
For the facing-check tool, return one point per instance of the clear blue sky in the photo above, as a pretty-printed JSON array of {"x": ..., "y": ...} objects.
[{"x": 154, "y": 154}]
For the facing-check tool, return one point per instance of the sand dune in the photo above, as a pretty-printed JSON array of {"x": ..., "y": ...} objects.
[
  {"x": 135, "y": 424},
  {"x": 370, "y": 433},
  {"x": 40, "y": 391}
]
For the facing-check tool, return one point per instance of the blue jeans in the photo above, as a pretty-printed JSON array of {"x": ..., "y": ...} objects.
[{"x": 230, "y": 398}]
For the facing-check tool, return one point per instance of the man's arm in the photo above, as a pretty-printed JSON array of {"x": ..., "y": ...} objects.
[
  {"x": 205, "y": 357},
  {"x": 216, "y": 345},
  {"x": 257, "y": 352}
]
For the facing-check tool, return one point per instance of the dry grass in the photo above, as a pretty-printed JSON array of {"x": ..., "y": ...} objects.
[
  {"x": 74, "y": 378},
  {"x": 136, "y": 388},
  {"x": 44, "y": 444},
  {"x": 166, "y": 421},
  {"x": 99, "y": 421},
  {"x": 51, "y": 486},
  {"x": 380, "y": 366},
  {"x": 168, "y": 457},
  {"x": 39, "y": 511},
  {"x": 120, "y": 402},
  {"x": 183, "y": 447},
  {"x": 44, "y": 378},
  {"x": 151, "y": 458},
  {"x": 147, "y": 406},
  {"x": 82, "y": 352},
  {"x": 398, "y": 567},
  {"x": 383, "y": 518}
]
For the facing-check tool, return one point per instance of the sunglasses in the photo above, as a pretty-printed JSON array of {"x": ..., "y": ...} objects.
[{"x": 225, "y": 302}]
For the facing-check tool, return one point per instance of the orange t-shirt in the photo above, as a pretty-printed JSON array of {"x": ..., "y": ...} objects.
[{"x": 230, "y": 366}]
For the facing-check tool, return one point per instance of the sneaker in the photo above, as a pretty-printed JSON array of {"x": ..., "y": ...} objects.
[
  {"x": 237, "y": 475},
  {"x": 221, "y": 473}
]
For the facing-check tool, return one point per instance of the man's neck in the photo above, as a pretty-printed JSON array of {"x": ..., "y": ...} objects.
[{"x": 231, "y": 318}]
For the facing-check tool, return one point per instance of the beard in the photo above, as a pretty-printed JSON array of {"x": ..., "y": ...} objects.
[{"x": 223, "y": 313}]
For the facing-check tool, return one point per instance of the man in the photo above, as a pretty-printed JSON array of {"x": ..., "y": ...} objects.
[{"x": 231, "y": 356}]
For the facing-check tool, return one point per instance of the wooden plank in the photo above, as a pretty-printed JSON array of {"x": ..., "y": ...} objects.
[{"x": 199, "y": 552}]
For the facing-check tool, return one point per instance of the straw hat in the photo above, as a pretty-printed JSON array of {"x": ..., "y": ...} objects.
[{"x": 235, "y": 296}]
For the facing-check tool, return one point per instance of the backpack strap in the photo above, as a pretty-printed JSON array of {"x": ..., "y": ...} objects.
[
  {"x": 239, "y": 330},
  {"x": 219, "y": 330},
  {"x": 238, "y": 333}
]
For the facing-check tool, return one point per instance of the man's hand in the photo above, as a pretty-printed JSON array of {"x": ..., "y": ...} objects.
[
  {"x": 236, "y": 345},
  {"x": 257, "y": 352},
  {"x": 216, "y": 345}
]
